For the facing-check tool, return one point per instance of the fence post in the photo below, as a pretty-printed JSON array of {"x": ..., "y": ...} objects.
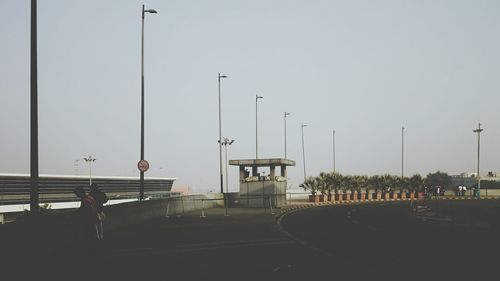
[
  {"x": 225, "y": 204},
  {"x": 270, "y": 205},
  {"x": 168, "y": 206},
  {"x": 202, "y": 209}
]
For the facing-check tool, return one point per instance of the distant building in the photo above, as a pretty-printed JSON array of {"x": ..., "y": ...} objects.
[
  {"x": 180, "y": 191},
  {"x": 15, "y": 188},
  {"x": 468, "y": 179}
]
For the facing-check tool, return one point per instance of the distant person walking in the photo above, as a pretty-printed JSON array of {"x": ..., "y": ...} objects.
[
  {"x": 101, "y": 199},
  {"x": 464, "y": 190},
  {"x": 87, "y": 217}
]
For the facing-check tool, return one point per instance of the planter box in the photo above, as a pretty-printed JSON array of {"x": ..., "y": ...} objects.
[{"x": 338, "y": 197}]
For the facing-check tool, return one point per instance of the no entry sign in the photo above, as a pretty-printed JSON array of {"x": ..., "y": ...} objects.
[{"x": 143, "y": 165}]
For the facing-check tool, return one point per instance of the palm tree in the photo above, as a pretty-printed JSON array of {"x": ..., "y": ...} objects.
[
  {"x": 387, "y": 182},
  {"x": 375, "y": 182},
  {"x": 323, "y": 183},
  {"x": 346, "y": 184},
  {"x": 330, "y": 183},
  {"x": 416, "y": 183},
  {"x": 336, "y": 180},
  {"x": 311, "y": 184},
  {"x": 363, "y": 184}
]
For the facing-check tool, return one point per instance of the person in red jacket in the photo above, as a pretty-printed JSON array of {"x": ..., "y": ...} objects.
[
  {"x": 87, "y": 216},
  {"x": 101, "y": 199}
]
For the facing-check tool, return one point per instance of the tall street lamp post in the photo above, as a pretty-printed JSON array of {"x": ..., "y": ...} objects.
[
  {"x": 478, "y": 131},
  {"x": 334, "y": 151},
  {"x": 90, "y": 160},
  {"x": 303, "y": 150},
  {"x": 225, "y": 143},
  {"x": 151, "y": 11},
  {"x": 34, "y": 179},
  {"x": 220, "y": 140},
  {"x": 284, "y": 117},
  {"x": 257, "y": 97},
  {"x": 402, "y": 151}
]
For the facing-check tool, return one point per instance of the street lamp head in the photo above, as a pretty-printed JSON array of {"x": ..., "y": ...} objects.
[
  {"x": 304, "y": 125},
  {"x": 231, "y": 142},
  {"x": 222, "y": 76},
  {"x": 258, "y": 97},
  {"x": 89, "y": 159},
  {"x": 287, "y": 113},
  {"x": 151, "y": 11}
]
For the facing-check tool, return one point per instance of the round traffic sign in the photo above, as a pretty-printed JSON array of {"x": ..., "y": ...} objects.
[{"x": 143, "y": 165}]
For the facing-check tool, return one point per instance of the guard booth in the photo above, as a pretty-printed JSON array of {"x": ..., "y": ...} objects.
[{"x": 258, "y": 190}]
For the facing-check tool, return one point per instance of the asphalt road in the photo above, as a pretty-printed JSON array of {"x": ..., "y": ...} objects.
[
  {"x": 387, "y": 240},
  {"x": 382, "y": 241}
]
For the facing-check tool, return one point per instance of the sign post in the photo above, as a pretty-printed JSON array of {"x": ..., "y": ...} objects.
[{"x": 143, "y": 166}]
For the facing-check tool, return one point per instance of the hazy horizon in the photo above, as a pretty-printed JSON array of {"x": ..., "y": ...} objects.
[{"x": 362, "y": 68}]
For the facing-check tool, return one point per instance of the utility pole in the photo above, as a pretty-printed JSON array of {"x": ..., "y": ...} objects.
[
  {"x": 303, "y": 151},
  {"x": 141, "y": 175},
  {"x": 285, "y": 115},
  {"x": 90, "y": 160},
  {"x": 402, "y": 151},
  {"x": 257, "y": 97},
  {"x": 478, "y": 131},
  {"x": 77, "y": 163},
  {"x": 220, "y": 139},
  {"x": 34, "y": 177},
  {"x": 334, "y": 151}
]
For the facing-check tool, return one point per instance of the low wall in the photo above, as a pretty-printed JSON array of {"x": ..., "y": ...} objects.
[
  {"x": 130, "y": 213},
  {"x": 55, "y": 231}
]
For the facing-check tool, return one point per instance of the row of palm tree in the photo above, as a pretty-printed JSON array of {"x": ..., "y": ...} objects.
[{"x": 334, "y": 182}]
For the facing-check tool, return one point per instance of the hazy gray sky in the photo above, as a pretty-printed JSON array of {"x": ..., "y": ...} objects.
[{"x": 362, "y": 68}]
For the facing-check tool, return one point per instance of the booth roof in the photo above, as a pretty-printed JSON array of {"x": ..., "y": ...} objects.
[{"x": 262, "y": 162}]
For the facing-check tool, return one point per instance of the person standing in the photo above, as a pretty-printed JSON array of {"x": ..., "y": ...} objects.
[
  {"x": 101, "y": 199},
  {"x": 87, "y": 217}
]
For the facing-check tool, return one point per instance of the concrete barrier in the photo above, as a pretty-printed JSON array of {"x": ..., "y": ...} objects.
[{"x": 58, "y": 230}]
